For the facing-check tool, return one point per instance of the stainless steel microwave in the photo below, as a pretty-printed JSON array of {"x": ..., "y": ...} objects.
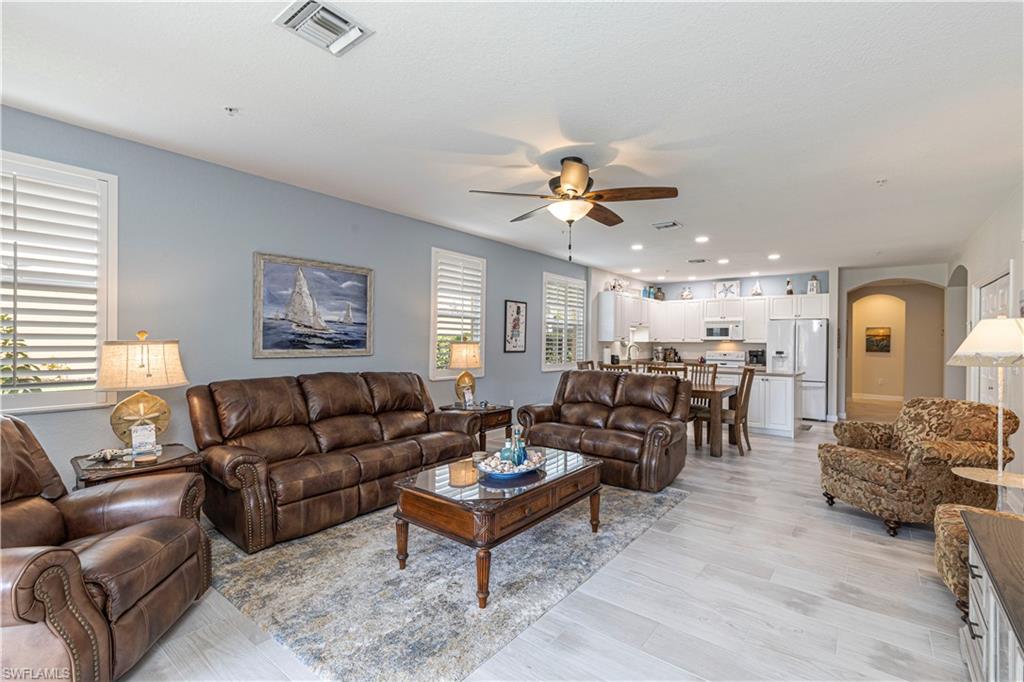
[{"x": 723, "y": 331}]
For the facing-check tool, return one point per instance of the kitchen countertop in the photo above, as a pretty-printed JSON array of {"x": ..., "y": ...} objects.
[{"x": 736, "y": 371}]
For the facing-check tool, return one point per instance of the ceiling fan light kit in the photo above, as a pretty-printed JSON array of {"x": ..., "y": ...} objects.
[{"x": 570, "y": 210}]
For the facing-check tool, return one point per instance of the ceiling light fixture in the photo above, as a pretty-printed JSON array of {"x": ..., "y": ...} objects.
[
  {"x": 701, "y": 239},
  {"x": 723, "y": 261},
  {"x": 774, "y": 256},
  {"x": 661, "y": 278},
  {"x": 570, "y": 210},
  {"x": 637, "y": 247},
  {"x": 691, "y": 278},
  {"x": 635, "y": 270},
  {"x": 754, "y": 273}
]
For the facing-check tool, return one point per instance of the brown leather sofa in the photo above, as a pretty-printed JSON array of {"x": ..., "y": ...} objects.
[
  {"x": 91, "y": 579},
  {"x": 286, "y": 456},
  {"x": 636, "y": 424}
]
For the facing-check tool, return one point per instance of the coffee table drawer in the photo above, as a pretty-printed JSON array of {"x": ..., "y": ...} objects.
[
  {"x": 577, "y": 485},
  {"x": 523, "y": 512}
]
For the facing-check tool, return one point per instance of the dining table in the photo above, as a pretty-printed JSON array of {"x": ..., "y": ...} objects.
[{"x": 715, "y": 394}]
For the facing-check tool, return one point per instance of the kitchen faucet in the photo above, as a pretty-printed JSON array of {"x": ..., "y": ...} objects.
[{"x": 629, "y": 351}]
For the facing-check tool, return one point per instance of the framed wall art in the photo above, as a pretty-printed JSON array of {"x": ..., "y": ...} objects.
[
  {"x": 727, "y": 289},
  {"x": 310, "y": 308},
  {"x": 878, "y": 339},
  {"x": 515, "y": 326}
]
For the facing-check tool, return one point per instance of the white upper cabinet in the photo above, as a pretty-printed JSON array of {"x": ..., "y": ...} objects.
[
  {"x": 616, "y": 313},
  {"x": 755, "y": 320},
  {"x": 811, "y": 306},
  {"x": 666, "y": 321},
  {"x": 693, "y": 321},
  {"x": 723, "y": 309}
]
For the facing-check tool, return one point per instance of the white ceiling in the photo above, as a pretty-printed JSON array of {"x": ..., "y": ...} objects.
[{"x": 773, "y": 120}]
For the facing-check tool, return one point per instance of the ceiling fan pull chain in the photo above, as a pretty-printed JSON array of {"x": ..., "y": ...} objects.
[{"x": 570, "y": 241}]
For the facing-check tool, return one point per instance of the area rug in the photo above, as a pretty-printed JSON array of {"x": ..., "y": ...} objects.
[{"x": 337, "y": 600}]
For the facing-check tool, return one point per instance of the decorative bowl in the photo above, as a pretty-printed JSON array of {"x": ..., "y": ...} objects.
[{"x": 497, "y": 468}]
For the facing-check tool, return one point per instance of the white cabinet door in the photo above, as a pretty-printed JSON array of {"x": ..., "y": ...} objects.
[
  {"x": 755, "y": 320},
  {"x": 607, "y": 316},
  {"x": 693, "y": 321},
  {"x": 732, "y": 308},
  {"x": 623, "y": 310},
  {"x": 812, "y": 306},
  {"x": 644, "y": 306},
  {"x": 667, "y": 321},
  {"x": 782, "y": 307},
  {"x": 778, "y": 403},
  {"x": 755, "y": 410},
  {"x": 713, "y": 310}
]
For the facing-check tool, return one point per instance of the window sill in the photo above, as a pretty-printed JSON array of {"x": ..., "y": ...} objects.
[
  {"x": 43, "y": 409},
  {"x": 453, "y": 377},
  {"x": 562, "y": 368}
]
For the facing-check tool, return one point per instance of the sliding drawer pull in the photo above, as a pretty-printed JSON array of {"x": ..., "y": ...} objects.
[
  {"x": 971, "y": 571},
  {"x": 970, "y": 628}
]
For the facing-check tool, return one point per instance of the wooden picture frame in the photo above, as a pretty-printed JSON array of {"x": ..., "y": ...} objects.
[
  {"x": 515, "y": 326},
  {"x": 310, "y": 308}
]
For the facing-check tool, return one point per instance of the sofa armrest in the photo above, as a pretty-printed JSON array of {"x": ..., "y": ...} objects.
[
  {"x": 44, "y": 585},
  {"x": 956, "y": 453},
  {"x": 116, "y": 505},
  {"x": 663, "y": 454},
  {"x": 455, "y": 420},
  {"x": 528, "y": 415},
  {"x": 244, "y": 511},
  {"x": 864, "y": 435},
  {"x": 235, "y": 467}
]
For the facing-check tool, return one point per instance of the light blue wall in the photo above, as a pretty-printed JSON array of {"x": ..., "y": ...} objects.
[
  {"x": 771, "y": 286},
  {"x": 187, "y": 231}
]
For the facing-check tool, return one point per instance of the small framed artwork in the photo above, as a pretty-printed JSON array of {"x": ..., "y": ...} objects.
[
  {"x": 515, "y": 326},
  {"x": 310, "y": 308},
  {"x": 727, "y": 289},
  {"x": 878, "y": 339}
]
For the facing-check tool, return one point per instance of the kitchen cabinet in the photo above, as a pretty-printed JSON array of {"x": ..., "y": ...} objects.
[
  {"x": 807, "y": 306},
  {"x": 617, "y": 313},
  {"x": 666, "y": 321},
  {"x": 723, "y": 309},
  {"x": 693, "y": 321},
  {"x": 755, "y": 320},
  {"x": 755, "y": 409},
  {"x": 773, "y": 405}
]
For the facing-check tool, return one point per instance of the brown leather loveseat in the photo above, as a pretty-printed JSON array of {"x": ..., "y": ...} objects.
[
  {"x": 286, "y": 456},
  {"x": 636, "y": 424},
  {"x": 91, "y": 579}
]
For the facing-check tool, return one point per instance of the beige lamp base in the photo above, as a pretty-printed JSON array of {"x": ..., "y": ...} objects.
[
  {"x": 140, "y": 408},
  {"x": 462, "y": 382}
]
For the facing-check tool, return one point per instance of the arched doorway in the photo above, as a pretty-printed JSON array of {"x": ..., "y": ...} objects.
[{"x": 956, "y": 313}]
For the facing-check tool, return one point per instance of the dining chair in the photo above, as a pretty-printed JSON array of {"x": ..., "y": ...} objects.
[
  {"x": 585, "y": 364},
  {"x": 700, "y": 374},
  {"x": 737, "y": 418},
  {"x": 648, "y": 365},
  {"x": 612, "y": 368},
  {"x": 662, "y": 369}
]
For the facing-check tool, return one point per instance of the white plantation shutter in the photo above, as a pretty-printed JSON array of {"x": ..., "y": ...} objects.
[
  {"x": 565, "y": 305},
  {"x": 54, "y": 294},
  {"x": 458, "y": 287}
]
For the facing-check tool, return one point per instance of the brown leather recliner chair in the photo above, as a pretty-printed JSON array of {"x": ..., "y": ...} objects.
[
  {"x": 636, "y": 424},
  {"x": 285, "y": 457},
  {"x": 91, "y": 579}
]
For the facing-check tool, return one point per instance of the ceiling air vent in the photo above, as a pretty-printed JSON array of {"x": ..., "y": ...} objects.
[
  {"x": 325, "y": 27},
  {"x": 667, "y": 225},
  {"x": 697, "y": 260}
]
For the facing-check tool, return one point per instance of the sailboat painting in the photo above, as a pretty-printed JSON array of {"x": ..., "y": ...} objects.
[{"x": 309, "y": 308}]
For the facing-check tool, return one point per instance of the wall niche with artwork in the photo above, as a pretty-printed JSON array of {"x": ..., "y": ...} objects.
[
  {"x": 310, "y": 308},
  {"x": 878, "y": 339}
]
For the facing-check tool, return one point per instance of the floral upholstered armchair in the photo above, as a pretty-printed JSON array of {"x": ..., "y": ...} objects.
[{"x": 901, "y": 472}]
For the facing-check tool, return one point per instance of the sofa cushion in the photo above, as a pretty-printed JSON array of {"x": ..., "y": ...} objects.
[
  {"x": 397, "y": 391},
  {"x": 296, "y": 479},
  {"x": 621, "y": 445},
  {"x": 441, "y": 446},
  {"x": 378, "y": 460},
  {"x": 590, "y": 387},
  {"x": 248, "y": 405},
  {"x": 31, "y": 521},
  {"x": 400, "y": 424},
  {"x": 333, "y": 394},
  {"x": 555, "y": 435},
  {"x": 126, "y": 564},
  {"x": 584, "y": 414},
  {"x": 634, "y": 418},
  {"x": 346, "y": 430},
  {"x": 276, "y": 444},
  {"x": 26, "y": 469},
  {"x": 881, "y": 467},
  {"x": 947, "y": 419},
  {"x": 655, "y": 392}
]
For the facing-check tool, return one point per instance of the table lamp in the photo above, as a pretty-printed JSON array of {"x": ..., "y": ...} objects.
[
  {"x": 465, "y": 356},
  {"x": 135, "y": 366},
  {"x": 995, "y": 343}
]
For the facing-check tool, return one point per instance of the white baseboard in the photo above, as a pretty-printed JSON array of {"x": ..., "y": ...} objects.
[
  {"x": 874, "y": 396},
  {"x": 833, "y": 418}
]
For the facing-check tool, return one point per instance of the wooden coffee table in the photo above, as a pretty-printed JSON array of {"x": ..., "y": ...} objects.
[{"x": 453, "y": 500}]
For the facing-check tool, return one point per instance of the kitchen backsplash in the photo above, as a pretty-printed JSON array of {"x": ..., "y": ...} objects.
[{"x": 686, "y": 350}]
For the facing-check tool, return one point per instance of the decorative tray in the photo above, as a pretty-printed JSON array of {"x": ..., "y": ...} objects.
[{"x": 497, "y": 468}]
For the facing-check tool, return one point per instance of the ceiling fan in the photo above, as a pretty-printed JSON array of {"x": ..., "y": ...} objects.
[{"x": 571, "y": 197}]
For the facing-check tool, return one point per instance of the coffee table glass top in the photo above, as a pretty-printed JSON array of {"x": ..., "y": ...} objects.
[{"x": 460, "y": 481}]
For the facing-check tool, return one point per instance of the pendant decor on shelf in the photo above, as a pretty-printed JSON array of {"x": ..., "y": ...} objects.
[
  {"x": 813, "y": 286},
  {"x": 756, "y": 291},
  {"x": 789, "y": 287},
  {"x": 686, "y": 294}
]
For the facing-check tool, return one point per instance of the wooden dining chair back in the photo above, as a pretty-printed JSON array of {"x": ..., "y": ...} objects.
[
  {"x": 612, "y": 368},
  {"x": 736, "y": 418},
  {"x": 585, "y": 364},
  {"x": 702, "y": 373},
  {"x": 662, "y": 369},
  {"x": 648, "y": 365}
]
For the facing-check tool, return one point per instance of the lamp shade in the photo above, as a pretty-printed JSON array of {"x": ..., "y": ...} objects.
[
  {"x": 570, "y": 210},
  {"x": 465, "y": 355},
  {"x": 992, "y": 343},
  {"x": 140, "y": 364}
]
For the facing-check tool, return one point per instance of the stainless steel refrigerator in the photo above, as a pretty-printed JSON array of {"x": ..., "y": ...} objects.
[{"x": 802, "y": 346}]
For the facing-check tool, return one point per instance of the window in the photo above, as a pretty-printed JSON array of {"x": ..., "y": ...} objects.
[
  {"x": 565, "y": 304},
  {"x": 458, "y": 288},
  {"x": 57, "y": 281}
]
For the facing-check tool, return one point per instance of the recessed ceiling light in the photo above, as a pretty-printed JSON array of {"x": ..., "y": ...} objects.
[
  {"x": 774, "y": 256},
  {"x": 701, "y": 239},
  {"x": 754, "y": 273},
  {"x": 723, "y": 261},
  {"x": 691, "y": 278},
  {"x": 661, "y": 278},
  {"x": 637, "y": 247},
  {"x": 635, "y": 270}
]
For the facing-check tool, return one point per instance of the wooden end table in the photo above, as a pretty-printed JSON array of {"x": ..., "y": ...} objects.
[
  {"x": 174, "y": 457},
  {"x": 483, "y": 515},
  {"x": 491, "y": 417}
]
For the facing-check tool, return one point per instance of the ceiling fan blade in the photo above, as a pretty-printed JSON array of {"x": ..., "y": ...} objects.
[
  {"x": 632, "y": 194},
  {"x": 575, "y": 175},
  {"x": 528, "y": 214},
  {"x": 603, "y": 215},
  {"x": 515, "y": 194}
]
